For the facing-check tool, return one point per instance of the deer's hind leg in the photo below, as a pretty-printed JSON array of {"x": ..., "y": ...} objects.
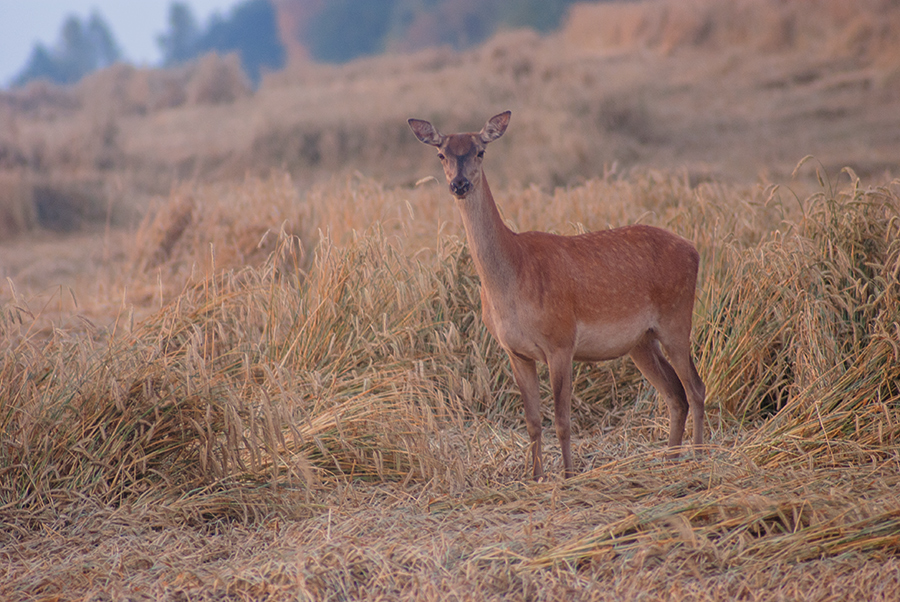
[
  {"x": 683, "y": 364},
  {"x": 677, "y": 345},
  {"x": 649, "y": 359}
]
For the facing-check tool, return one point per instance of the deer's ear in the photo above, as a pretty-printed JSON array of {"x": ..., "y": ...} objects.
[
  {"x": 426, "y": 132},
  {"x": 495, "y": 127}
]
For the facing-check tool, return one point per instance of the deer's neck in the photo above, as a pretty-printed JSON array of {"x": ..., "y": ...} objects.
[{"x": 491, "y": 243}]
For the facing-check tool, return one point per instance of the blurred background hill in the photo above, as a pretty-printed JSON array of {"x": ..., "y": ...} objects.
[{"x": 726, "y": 90}]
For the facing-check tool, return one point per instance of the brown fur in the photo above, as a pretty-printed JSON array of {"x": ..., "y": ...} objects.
[{"x": 596, "y": 296}]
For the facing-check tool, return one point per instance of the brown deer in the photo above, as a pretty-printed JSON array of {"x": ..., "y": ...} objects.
[{"x": 556, "y": 299}]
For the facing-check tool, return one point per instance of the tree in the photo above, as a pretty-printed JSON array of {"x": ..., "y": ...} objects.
[
  {"x": 81, "y": 48},
  {"x": 252, "y": 31},
  {"x": 346, "y": 29},
  {"x": 40, "y": 65},
  {"x": 180, "y": 43},
  {"x": 105, "y": 48},
  {"x": 75, "y": 53}
]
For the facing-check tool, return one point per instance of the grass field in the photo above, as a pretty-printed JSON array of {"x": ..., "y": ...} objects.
[{"x": 276, "y": 385}]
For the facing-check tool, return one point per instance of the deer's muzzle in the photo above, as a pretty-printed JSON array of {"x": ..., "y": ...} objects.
[{"x": 460, "y": 186}]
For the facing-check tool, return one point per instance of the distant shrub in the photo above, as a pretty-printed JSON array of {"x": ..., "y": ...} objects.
[
  {"x": 217, "y": 80},
  {"x": 17, "y": 214},
  {"x": 61, "y": 204}
]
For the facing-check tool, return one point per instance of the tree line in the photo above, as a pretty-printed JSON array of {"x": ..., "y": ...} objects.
[
  {"x": 250, "y": 30},
  {"x": 336, "y": 31}
]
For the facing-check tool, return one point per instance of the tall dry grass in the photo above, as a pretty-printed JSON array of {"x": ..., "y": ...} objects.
[{"x": 339, "y": 348}]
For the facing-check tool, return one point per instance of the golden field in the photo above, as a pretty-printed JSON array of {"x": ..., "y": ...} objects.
[{"x": 254, "y": 366}]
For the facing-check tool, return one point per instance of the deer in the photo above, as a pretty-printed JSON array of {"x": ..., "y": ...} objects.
[{"x": 592, "y": 297}]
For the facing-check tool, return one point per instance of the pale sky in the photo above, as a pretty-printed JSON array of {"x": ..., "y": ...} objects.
[{"x": 134, "y": 23}]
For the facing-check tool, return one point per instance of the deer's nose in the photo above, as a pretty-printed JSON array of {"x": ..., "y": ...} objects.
[{"x": 460, "y": 186}]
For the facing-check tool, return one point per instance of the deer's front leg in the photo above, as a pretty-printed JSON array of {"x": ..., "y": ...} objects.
[
  {"x": 525, "y": 373},
  {"x": 561, "y": 380}
]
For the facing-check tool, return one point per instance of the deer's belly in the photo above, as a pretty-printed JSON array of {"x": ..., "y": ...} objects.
[
  {"x": 609, "y": 340},
  {"x": 538, "y": 339}
]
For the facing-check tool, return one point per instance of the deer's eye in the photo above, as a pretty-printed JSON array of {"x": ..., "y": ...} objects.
[
  {"x": 480, "y": 154},
  {"x": 441, "y": 156}
]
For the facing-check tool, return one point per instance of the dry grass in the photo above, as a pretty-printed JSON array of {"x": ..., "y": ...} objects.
[{"x": 323, "y": 416}]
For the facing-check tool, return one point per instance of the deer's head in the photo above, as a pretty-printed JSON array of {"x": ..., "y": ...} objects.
[{"x": 461, "y": 154}]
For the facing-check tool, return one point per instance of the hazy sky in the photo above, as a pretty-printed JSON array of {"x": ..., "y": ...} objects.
[{"x": 135, "y": 24}]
